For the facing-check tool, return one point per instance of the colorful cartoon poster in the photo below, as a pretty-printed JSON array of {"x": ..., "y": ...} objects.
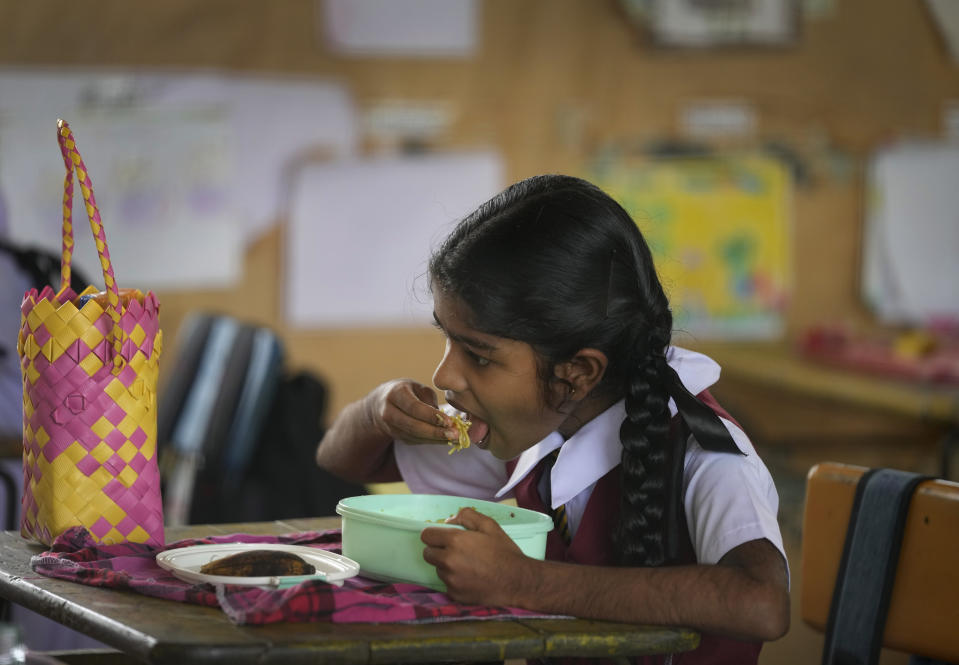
[{"x": 719, "y": 230}]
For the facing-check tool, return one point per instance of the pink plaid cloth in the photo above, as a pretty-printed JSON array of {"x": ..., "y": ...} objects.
[{"x": 75, "y": 556}]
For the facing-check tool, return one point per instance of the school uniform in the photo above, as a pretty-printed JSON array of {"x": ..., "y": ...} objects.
[{"x": 728, "y": 499}]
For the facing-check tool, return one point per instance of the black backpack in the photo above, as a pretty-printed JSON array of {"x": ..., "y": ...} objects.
[
  {"x": 284, "y": 480},
  {"x": 237, "y": 433},
  {"x": 41, "y": 266}
]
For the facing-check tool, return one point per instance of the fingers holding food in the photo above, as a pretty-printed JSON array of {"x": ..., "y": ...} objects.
[
  {"x": 407, "y": 410},
  {"x": 462, "y": 439}
]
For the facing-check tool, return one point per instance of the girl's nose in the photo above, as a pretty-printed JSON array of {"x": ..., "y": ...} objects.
[{"x": 447, "y": 376}]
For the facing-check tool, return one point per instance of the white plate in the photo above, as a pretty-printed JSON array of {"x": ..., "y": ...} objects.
[{"x": 185, "y": 563}]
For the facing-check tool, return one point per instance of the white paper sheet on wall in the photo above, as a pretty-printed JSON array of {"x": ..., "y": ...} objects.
[
  {"x": 189, "y": 165},
  {"x": 360, "y": 234},
  {"x": 272, "y": 121},
  {"x": 408, "y": 28},
  {"x": 911, "y": 238},
  {"x": 162, "y": 186}
]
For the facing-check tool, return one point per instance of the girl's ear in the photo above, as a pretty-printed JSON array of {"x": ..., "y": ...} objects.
[{"x": 583, "y": 371}]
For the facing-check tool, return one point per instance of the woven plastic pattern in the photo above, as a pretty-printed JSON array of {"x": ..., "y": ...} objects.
[{"x": 89, "y": 401}]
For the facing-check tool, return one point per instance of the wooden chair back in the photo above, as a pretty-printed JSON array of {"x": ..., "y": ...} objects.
[{"x": 923, "y": 617}]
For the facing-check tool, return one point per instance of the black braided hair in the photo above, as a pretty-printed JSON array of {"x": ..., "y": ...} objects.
[
  {"x": 555, "y": 262},
  {"x": 640, "y": 537}
]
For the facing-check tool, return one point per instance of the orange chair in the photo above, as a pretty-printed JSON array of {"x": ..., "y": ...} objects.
[{"x": 923, "y": 604}]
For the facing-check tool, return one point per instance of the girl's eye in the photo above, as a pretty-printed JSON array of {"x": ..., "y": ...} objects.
[{"x": 476, "y": 358}]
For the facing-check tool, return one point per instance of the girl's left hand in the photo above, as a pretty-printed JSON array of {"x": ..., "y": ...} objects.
[{"x": 481, "y": 565}]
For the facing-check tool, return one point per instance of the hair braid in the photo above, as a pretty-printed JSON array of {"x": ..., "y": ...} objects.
[{"x": 646, "y": 456}]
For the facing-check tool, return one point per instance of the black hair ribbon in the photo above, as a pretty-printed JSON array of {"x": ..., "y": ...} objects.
[
  {"x": 701, "y": 420},
  {"x": 704, "y": 424}
]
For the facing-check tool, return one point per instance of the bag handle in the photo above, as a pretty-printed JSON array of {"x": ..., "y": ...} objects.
[{"x": 73, "y": 162}]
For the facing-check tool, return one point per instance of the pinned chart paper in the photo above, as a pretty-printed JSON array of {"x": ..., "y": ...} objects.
[
  {"x": 911, "y": 236},
  {"x": 191, "y": 164},
  {"x": 405, "y": 28},
  {"x": 720, "y": 231},
  {"x": 360, "y": 234}
]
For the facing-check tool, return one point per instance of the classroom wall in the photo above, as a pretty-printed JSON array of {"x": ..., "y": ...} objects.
[
  {"x": 862, "y": 73},
  {"x": 554, "y": 81}
]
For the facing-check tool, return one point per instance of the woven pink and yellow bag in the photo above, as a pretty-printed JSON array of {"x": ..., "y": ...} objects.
[{"x": 90, "y": 366}]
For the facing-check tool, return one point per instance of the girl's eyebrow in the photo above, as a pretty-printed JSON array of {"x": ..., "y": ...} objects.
[{"x": 464, "y": 339}]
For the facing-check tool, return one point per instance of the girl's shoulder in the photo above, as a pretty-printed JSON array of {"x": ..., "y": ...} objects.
[
  {"x": 747, "y": 466},
  {"x": 729, "y": 498}
]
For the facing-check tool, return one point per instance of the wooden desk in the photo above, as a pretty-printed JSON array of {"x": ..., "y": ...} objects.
[
  {"x": 818, "y": 412},
  {"x": 161, "y": 631},
  {"x": 778, "y": 365}
]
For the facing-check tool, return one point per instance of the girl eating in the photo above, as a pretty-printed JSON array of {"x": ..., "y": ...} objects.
[{"x": 558, "y": 353}]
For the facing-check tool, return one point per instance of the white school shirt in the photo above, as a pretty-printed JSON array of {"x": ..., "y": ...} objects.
[{"x": 729, "y": 499}]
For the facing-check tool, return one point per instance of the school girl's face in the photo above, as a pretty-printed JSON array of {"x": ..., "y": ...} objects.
[{"x": 493, "y": 379}]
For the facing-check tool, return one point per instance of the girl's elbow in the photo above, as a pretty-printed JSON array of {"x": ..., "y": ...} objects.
[
  {"x": 329, "y": 458},
  {"x": 773, "y": 617},
  {"x": 320, "y": 457},
  {"x": 320, "y": 460}
]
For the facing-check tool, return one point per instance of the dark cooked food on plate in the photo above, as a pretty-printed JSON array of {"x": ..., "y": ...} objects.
[{"x": 258, "y": 563}]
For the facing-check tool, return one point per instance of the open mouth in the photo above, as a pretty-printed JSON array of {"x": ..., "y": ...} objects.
[
  {"x": 479, "y": 429},
  {"x": 479, "y": 433}
]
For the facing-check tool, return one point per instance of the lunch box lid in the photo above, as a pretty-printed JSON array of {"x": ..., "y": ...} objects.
[{"x": 415, "y": 512}]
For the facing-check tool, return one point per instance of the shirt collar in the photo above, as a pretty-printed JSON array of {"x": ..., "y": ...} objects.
[{"x": 595, "y": 448}]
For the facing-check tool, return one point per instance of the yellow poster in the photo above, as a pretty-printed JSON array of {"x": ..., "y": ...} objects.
[{"x": 719, "y": 229}]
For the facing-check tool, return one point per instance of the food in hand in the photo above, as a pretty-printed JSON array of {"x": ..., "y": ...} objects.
[
  {"x": 258, "y": 563},
  {"x": 463, "y": 427}
]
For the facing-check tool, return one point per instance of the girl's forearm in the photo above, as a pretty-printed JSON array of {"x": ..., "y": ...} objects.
[
  {"x": 719, "y": 599},
  {"x": 355, "y": 449}
]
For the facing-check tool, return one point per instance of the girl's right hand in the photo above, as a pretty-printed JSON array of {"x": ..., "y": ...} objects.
[{"x": 407, "y": 410}]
